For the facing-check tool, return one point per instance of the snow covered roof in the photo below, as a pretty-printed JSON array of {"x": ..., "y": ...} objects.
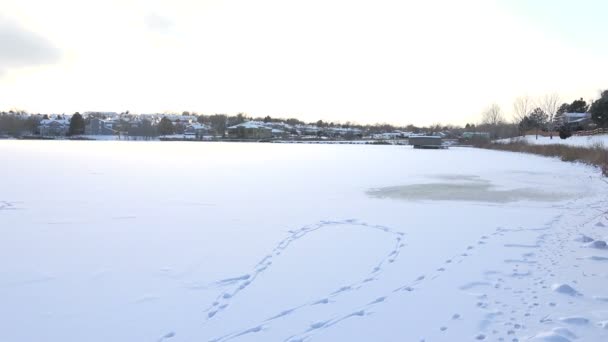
[
  {"x": 250, "y": 124},
  {"x": 197, "y": 125},
  {"x": 47, "y": 122},
  {"x": 576, "y": 117},
  {"x": 341, "y": 129}
]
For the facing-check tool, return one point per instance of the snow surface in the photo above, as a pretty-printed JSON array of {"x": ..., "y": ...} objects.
[
  {"x": 575, "y": 140},
  {"x": 176, "y": 241}
]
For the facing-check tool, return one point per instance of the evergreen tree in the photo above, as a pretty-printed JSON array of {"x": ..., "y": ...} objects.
[
  {"x": 599, "y": 110},
  {"x": 578, "y": 106},
  {"x": 165, "y": 127},
  {"x": 218, "y": 123},
  {"x": 538, "y": 119},
  {"x": 525, "y": 124},
  {"x": 565, "y": 132},
  {"x": 76, "y": 124}
]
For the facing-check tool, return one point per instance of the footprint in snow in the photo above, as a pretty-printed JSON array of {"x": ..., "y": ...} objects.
[
  {"x": 596, "y": 258},
  {"x": 583, "y": 238},
  {"x": 575, "y": 320},
  {"x": 603, "y": 324},
  {"x": 518, "y": 245},
  {"x": 598, "y": 244},
  {"x": 167, "y": 336},
  {"x": 342, "y": 289}
]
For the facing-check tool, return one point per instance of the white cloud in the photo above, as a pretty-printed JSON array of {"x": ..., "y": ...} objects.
[{"x": 23, "y": 48}]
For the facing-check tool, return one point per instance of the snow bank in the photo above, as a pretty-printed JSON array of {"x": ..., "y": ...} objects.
[{"x": 585, "y": 141}]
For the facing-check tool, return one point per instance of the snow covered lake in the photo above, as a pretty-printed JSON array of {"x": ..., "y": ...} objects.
[{"x": 181, "y": 241}]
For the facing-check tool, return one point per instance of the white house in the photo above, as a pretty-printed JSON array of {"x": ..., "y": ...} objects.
[{"x": 54, "y": 127}]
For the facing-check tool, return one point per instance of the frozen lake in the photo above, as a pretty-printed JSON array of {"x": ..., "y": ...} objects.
[{"x": 182, "y": 241}]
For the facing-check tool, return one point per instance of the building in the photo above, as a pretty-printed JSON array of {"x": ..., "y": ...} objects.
[
  {"x": 250, "y": 130},
  {"x": 426, "y": 142},
  {"x": 97, "y": 126},
  {"x": 197, "y": 130},
  {"x": 54, "y": 127},
  {"x": 476, "y": 135},
  {"x": 575, "y": 121}
]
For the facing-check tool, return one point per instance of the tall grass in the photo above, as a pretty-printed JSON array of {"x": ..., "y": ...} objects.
[{"x": 596, "y": 154}]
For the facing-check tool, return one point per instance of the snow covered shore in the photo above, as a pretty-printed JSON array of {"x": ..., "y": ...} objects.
[
  {"x": 587, "y": 141},
  {"x": 294, "y": 242}
]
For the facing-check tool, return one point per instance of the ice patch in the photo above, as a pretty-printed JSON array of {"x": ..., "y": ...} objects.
[{"x": 474, "y": 190}]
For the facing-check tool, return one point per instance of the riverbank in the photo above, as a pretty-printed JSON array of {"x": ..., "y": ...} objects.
[{"x": 595, "y": 154}]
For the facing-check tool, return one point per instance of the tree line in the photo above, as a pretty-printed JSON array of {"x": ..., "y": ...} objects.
[{"x": 543, "y": 113}]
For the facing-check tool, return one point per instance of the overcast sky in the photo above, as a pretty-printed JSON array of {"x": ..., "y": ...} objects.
[{"x": 401, "y": 62}]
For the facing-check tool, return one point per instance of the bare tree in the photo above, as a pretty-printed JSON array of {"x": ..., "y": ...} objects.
[
  {"x": 492, "y": 116},
  {"x": 493, "y": 119},
  {"x": 521, "y": 107},
  {"x": 550, "y": 104}
]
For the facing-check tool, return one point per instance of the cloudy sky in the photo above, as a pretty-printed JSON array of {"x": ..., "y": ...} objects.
[{"x": 365, "y": 61}]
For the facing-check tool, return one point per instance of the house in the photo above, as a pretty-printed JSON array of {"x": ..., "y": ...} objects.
[
  {"x": 575, "y": 121},
  {"x": 341, "y": 132},
  {"x": 196, "y": 130},
  {"x": 250, "y": 130},
  {"x": 426, "y": 141},
  {"x": 97, "y": 126},
  {"x": 474, "y": 137},
  {"x": 308, "y": 130},
  {"x": 388, "y": 136},
  {"x": 54, "y": 127},
  {"x": 281, "y": 129}
]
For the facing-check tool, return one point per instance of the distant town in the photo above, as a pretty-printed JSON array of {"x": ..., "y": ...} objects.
[
  {"x": 187, "y": 126},
  {"x": 564, "y": 120}
]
